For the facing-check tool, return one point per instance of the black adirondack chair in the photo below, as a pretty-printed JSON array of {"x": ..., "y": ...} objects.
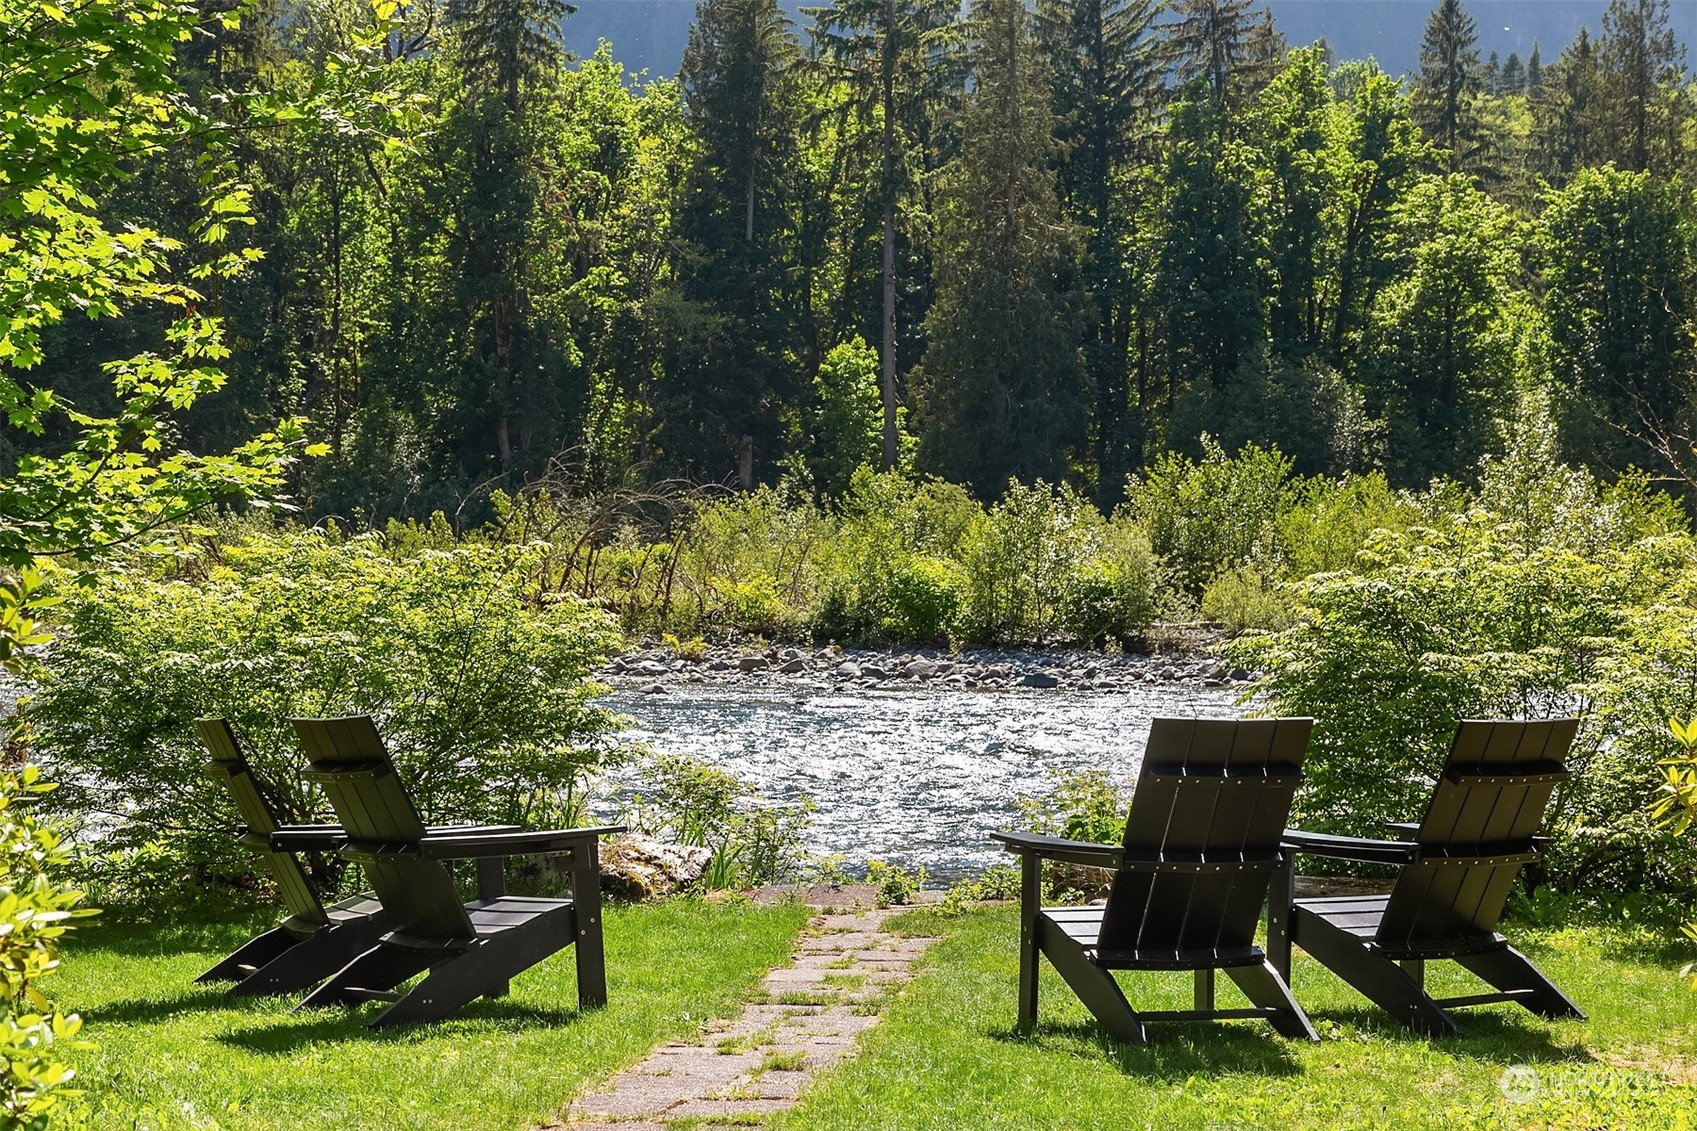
[
  {"x": 313, "y": 941},
  {"x": 1458, "y": 865},
  {"x": 1201, "y": 846},
  {"x": 470, "y": 950}
]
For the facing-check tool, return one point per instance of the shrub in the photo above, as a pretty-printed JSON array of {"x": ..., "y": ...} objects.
[
  {"x": 1245, "y": 598},
  {"x": 1114, "y": 592},
  {"x": 1021, "y": 558},
  {"x": 481, "y": 690},
  {"x": 36, "y": 910},
  {"x": 896, "y": 885},
  {"x": 1204, "y": 517},
  {"x": 1078, "y": 805},
  {"x": 688, "y": 801},
  {"x": 924, "y": 596}
]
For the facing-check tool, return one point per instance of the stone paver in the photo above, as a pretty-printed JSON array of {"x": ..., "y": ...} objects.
[{"x": 754, "y": 1065}]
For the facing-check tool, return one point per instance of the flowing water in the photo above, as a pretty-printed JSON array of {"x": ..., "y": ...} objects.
[{"x": 916, "y": 776}]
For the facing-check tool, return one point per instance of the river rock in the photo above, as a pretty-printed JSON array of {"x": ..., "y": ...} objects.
[
  {"x": 848, "y": 669},
  {"x": 638, "y": 867},
  {"x": 797, "y": 664},
  {"x": 654, "y": 689},
  {"x": 922, "y": 669},
  {"x": 649, "y": 667},
  {"x": 1039, "y": 679},
  {"x": 873, "y": 671},
  {"x": 753, "y": 663}
]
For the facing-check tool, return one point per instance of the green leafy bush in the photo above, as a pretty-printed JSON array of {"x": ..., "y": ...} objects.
[
  {"x": 480, "y": 688},
  {"x": 688, "y": 801},
  {"x": 925, "y": 596},
  {"x": 1245, "y": 598},
  {"x": 36, "y": 910},
  {"x": 1205, "y": 517},
  {"x": 896, "y": 885},
  {"x": 1116, "y": 591},
  {"x": 1079, "y": 805}
]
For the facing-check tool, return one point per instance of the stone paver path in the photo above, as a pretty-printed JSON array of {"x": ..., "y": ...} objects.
[{"x": 804, "y": 1020}]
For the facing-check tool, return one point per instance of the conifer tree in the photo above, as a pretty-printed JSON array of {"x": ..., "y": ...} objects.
[
  {"x": 1641, "y": 75},
  {"x": 1107, "y": 85},
  {"x": 1449, "y": 82},
  {"x": 1534, "y": 70},
  {"x": 1003, "y": 395},
  {"x": 1565, "y": 108},
  {"x": 1210, "y": 41}
]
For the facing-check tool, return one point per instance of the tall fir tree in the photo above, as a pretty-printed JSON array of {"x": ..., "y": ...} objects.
[
  {"x": 1565, "y": 111},
  {"x": 1641, "y": 86},
  {"x": 1449, "y": 83},
  {"x": 893, "y": 56},
  {"x": 1210, "y": 41},
  {"x": 1107, "y": 66},
  {"x": 731, "y": 382},
  {"x": 1004, "y": 394},
  {"x": 1534, "y": 70}
]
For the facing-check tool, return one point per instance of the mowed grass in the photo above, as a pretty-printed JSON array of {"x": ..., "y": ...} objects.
[
  {"x": 174, "y": 1055},
  {"x": 947, "y": 1055}
]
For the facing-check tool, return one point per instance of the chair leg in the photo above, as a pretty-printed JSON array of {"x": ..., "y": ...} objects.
[
  {"x": 251, "y": 956},
  {"x": 1030, "y": 909},
  {"x": 1266, "y": 990},
  {"x": 1508, "y": 969},
  {"x": 1094, "y": 986},
  {"x": 378, "y": 969},
  {"x": 482, "y": 971},
  {"x": 302, "y": 967},
  {"x": 591, "y": 948},
  {"x": 1378, "y": 979}
]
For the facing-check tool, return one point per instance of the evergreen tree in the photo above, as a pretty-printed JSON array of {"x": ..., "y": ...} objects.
[
  {"x": 1210, "y": 41},
  {"x": 1449, "y": 83},
  {"x": 1565, "y": 111},
  {"x": 1641, "y": 76},
  {"x": 730, "y": 382},
  {"x": 1534, "y": 70},
  {"x": 888, "y": 52},
  {"x": 1293, "y": 126},
  {"x": 1107, "y": 70},
  {"x": 1003, "y": 394},
  {"x": 1491, "y": 81},
  {"x": 1513, "y": 79}
]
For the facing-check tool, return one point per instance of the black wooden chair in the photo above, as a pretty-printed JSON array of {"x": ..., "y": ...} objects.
[
  {"x": 313, "y": 941},
  {"x": 1201, "y": 845},
  {"x": 1457, "y": 868},
  {"x": 470, "y": 950}
]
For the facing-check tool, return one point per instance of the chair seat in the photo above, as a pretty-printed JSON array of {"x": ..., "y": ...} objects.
[
  {"x": 1083, "y": 925},
  {"x": 489, "y": 918},
  {"x": 1361, "y": 916}
]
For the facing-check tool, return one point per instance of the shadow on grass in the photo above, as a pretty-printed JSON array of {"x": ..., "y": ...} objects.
[
  {"x": 1521, "y": 1037},
  {"x": 212, "y": 999},
  {"x": 316, "y": 1026},
  {"x": 128, "y": 937},
  {"x": 1219, "y": 1050}
]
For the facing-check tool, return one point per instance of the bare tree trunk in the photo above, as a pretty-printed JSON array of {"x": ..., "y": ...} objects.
[{"x": 891, "y": 438}]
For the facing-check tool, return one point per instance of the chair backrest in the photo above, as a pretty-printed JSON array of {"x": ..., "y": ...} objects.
[
  {"x": 229, "y": 765},
  {"x": 351, "y": 765},
  {"x": 1211, "y": 802},
  {"x": 1478, "y": 830}
]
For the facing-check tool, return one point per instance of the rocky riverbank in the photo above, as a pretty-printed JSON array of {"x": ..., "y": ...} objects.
[{"x": 653, "y": 668}]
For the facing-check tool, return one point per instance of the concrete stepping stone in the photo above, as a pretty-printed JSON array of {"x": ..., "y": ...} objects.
[{"x": 745, "y": 1069}]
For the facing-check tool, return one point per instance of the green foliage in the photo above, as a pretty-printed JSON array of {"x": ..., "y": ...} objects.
[
  {"x": 1079, "y": 805},
  {"x": 849, "y": 432},
  {"x": 1243, "y": 599},
  {"x": 997, "y": 882},
  {"x": 1203, "y": 517},
  {"x": 688, "y": 801},
  {"x": 896, "y": 885},
  {"x": 36, "y": 910},
  {"x": 479, "y": 686}
]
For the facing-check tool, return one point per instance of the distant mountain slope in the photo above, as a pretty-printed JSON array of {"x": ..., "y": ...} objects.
[{"x": 651, "y": 33}]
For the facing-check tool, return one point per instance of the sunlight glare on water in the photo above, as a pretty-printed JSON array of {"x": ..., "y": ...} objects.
[{"x": 919, "y": 776}]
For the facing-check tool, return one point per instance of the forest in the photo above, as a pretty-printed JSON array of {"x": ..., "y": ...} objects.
[{"x": 993, "y": 244}]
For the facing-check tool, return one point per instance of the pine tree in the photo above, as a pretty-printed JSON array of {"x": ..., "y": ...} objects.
[
  {"x": 1641, "y": 73},
  {"x": 888, "y": 52},
  {"x": 1003, "y": 395},
  {"x": 1565, "y": 110},
  {"x": 1449, "y": 82},
  {"x": 730, "y": 375},
  {"x": 1534, "y": 70},
  {"x": 1492, "y": 79},
  {"x": 1106, "y": 92},
  {"x": 1513, "y": 79},
  {"x": 1210, "y": 41}
]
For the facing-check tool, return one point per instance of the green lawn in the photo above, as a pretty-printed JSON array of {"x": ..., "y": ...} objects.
[
  {"x": 946, "y": 1056},
  {"x": 177, "y": 1056}
]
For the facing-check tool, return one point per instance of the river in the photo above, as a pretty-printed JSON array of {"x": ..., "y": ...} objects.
[{"x": 916, "y": 776}]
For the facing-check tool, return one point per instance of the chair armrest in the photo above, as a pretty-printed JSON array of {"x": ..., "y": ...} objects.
[
  {"x": 1059, "y": 848},
  {"x": 521, "y": 843},
  {"x": 1352, "y": 847},
  {"x": 470, "y": 830},
  {"x": 1403, "y": 830}
]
